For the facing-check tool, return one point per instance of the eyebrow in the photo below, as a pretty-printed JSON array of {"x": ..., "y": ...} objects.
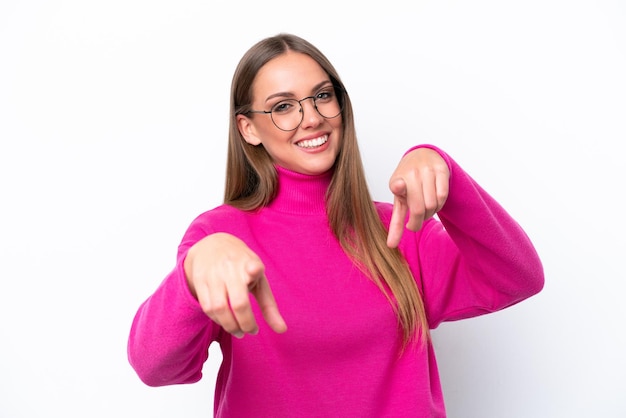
[{"x": 288, "y": 94}]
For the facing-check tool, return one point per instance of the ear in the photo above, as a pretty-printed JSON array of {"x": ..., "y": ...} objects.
[{"x": 246, "y": 129}]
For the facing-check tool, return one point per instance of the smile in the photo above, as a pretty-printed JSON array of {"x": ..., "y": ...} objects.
[{"x": 313, "y": 143}]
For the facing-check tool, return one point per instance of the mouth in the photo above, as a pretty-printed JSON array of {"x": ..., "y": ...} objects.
[{"x": 313, "y": 143}]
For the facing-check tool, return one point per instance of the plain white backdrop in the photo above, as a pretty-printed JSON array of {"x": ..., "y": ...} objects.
[{"x": 113, "y": 127}]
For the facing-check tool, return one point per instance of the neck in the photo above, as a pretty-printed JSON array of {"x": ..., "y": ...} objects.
[{"x": 301, "y": 194}]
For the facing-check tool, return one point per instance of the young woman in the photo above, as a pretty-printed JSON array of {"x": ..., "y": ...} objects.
[{"x": 320, "y": 299}]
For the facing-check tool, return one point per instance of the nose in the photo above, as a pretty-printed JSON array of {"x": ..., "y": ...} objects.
[{"x": 310, "y": 115}]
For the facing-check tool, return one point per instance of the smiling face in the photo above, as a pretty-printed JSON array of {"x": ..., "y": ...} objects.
[{"x": 311, "y": 148}]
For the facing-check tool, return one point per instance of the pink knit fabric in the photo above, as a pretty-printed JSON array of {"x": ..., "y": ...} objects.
[{"x": 340, "y": 354}]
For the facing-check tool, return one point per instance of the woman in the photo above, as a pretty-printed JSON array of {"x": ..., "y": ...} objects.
[{"x": 320, "y": 299}]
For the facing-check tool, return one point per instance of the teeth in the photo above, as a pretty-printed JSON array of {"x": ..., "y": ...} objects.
[{"x": 312, "y": 143}]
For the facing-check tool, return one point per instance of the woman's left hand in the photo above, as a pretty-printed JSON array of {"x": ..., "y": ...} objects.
[{"x": 420, "y": 186}]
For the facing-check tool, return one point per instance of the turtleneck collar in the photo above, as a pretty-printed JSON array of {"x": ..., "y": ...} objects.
[{"x": 301, "y": 194}]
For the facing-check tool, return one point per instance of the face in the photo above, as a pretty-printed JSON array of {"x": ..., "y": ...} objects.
[{"x": 311, "y": 148}]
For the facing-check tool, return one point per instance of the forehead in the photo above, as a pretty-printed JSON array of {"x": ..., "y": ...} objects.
[{"x": 291, "y": 72}]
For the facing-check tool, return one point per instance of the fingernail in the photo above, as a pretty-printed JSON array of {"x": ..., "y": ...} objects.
[{"x": 238, "y": 334}]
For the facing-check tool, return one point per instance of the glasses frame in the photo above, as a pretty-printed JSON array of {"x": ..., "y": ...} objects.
[{"x": 339, "y": 92}]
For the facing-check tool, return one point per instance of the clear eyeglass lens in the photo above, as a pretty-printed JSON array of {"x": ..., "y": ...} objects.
[{"x": 287, "y": 114}]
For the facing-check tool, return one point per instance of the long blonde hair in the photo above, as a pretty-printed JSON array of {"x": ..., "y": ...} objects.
[{"x": 251, "y": 183}]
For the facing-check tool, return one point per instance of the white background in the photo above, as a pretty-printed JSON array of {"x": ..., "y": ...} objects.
[{"x": 113, "y": 129}]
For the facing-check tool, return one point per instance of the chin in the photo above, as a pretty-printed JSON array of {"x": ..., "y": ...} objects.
[{"x": 317, "y": 169}]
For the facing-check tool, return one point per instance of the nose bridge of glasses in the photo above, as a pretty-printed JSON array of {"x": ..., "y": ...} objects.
[{"x": 313, "y": 102}]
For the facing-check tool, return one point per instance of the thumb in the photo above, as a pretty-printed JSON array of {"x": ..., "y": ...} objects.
[{"x": 398, "y": 186}]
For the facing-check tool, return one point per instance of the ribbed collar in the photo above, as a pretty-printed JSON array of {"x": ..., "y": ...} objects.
[{"x": 301, "y": 194}]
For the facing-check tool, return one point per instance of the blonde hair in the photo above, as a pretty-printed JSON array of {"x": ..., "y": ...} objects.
[{"x": 251, "y": 183}]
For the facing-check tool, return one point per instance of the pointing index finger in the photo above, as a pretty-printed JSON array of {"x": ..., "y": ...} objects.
[
  {"x": 398, "y": 216},
  {"x": 260, "y": 289},
  {"x": 267, "y": 304}
]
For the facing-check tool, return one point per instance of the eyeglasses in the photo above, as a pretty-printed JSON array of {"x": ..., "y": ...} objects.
[{"x": 288, "y": 114}]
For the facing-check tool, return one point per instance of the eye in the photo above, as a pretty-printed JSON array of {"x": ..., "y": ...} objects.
[
  {"x": 285, "y": 106},
  {"x": 325, "y": 95}
]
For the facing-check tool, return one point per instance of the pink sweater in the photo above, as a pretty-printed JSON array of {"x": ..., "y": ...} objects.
[{"x": 339, "y": 356}]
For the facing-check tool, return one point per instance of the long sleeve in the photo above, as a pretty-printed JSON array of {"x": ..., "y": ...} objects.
[
  {"x": 170, "y": 334},
  {"x": 476, "y": 259},
  {"x": 343, "y": 339}
]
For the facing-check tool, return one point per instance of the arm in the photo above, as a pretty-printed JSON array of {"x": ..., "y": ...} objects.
[
  {"x": 206, "y": 294},
  {"x": 477, "y": 259},
  {"x": 170, "y": 334}
]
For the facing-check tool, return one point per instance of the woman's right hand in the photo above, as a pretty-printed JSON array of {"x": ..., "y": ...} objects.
[{"x": 222, "y": 272}]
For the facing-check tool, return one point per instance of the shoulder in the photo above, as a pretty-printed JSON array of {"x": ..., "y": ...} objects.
[
  {"x": 223, "y": 218},
  {"x": 220, "y": 219},
  {"x": 218, "y": 214}
]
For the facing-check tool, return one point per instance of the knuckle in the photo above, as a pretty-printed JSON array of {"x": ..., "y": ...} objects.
[
  {"x": 257, "y": 265},
  {"x": 418, "y": 212},
  {"x": 239, "y": 306},
  {"x": 217, "y": 309}
]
